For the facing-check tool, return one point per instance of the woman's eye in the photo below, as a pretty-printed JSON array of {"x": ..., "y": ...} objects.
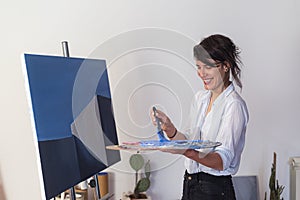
[{"x": 204, "y": 67}]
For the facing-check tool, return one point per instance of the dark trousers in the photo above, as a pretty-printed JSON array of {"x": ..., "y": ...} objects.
[{"x": 203, "y": 186}]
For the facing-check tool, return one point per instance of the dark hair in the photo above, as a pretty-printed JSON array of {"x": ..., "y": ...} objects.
[{"x": 221, "y": 49}]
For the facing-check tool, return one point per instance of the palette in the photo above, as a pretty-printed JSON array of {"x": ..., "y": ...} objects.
[{"x": 149, "y": 145}]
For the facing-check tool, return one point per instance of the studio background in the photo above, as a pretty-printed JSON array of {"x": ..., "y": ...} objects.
[{"x": 266, "y": 31}]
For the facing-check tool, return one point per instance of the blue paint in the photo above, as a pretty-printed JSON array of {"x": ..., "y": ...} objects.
[
  {"x": 161, "y": 136},
  {"x": 179, "y": 144}
]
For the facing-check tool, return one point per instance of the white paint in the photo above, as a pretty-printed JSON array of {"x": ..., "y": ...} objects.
[{"x": 267, "y": 31}]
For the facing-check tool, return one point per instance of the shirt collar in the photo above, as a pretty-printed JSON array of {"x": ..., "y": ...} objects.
[
  {"x": 224, "y": 94},
  {"x": 229, "y": 89}
]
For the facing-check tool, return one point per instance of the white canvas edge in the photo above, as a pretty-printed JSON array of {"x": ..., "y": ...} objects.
[{"x": 32, "y": 120}]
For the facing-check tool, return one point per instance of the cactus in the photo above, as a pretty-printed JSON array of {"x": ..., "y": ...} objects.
[
  {"x": 275, "y": 189},
  {"x": 137, "y": 163},
  {"x": 142, "y": 185}
]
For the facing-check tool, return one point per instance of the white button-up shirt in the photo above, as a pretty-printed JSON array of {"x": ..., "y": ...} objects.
[{"x": 226, "y": 123}]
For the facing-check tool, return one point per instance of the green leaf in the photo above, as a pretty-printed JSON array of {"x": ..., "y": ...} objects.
[
  {"x": 142, "y": 185},
  {"x": 147, "y": 169},
  {"x": 136, "y": 161}
]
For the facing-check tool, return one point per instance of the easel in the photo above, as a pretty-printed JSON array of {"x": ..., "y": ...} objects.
[{"x": 66, "y": 53}]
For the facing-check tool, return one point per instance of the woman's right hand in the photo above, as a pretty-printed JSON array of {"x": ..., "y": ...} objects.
[{"x": 165, "y": 122}]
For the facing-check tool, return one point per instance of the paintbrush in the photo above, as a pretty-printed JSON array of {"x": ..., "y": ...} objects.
[{"x": 160, "y": 132}]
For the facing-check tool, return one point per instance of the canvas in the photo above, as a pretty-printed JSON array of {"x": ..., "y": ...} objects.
[{"x": 72, "y": 117}]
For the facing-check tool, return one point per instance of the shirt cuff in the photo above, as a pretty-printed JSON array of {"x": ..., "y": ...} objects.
[{"x": 225, "y": 155}]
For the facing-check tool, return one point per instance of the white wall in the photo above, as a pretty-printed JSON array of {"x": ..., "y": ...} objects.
[{"x": 267, "y": 32}]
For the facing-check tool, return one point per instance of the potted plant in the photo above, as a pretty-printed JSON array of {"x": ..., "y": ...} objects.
[
  {"x": 275, "y": 189},
  {"x": 137, "y": 163}
]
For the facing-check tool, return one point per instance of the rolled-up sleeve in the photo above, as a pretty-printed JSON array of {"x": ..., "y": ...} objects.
[{"x": 232, "y": 135}]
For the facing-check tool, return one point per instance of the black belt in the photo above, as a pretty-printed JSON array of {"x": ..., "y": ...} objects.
[{"x": 206, "y": 177}]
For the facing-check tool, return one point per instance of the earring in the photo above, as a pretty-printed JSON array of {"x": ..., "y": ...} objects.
[{"x": 226, "y": 69}]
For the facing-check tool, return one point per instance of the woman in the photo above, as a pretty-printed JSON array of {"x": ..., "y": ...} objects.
[{"x": 222, "y": 116}]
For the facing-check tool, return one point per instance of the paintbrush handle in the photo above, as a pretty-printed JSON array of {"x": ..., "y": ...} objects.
[{"x": 160, "y": 133}]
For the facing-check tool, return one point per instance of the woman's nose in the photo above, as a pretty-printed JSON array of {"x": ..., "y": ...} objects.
[{"x": 201, "y": 72}]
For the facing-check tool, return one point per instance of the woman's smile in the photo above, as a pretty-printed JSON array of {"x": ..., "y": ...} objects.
[{"x": 207, "y": 81}]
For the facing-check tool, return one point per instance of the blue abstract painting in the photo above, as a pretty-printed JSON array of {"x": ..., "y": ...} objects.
[{"x": 73, "y": 119}]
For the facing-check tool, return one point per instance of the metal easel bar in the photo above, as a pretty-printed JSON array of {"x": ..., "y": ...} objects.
[{"x": 66, "y": 53}]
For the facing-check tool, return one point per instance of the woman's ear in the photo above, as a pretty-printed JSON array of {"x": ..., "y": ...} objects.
[{"x": 226, "y": 66}]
